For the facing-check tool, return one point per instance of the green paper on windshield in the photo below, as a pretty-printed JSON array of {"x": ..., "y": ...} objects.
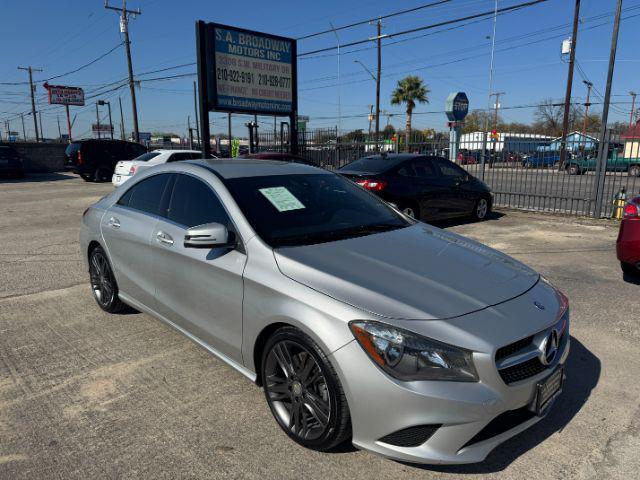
[{"x": 282, "y": 199}]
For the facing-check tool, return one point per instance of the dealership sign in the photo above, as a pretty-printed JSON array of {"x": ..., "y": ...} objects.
[
  {"x": 247, "y": 71},
  {"x": 102, "y": 128},
  {"x": 61, "y": 95}
]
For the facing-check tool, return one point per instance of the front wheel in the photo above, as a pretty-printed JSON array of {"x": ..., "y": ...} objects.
[
  {"x": 303, "y": 391},
  {"x": 482, "y": 209},
  {"x": 634, "y": 171},
  {"x": 573, "y": 170},
  {"x": 102, "y": 175},
  {"x": 103, "y": 282}
]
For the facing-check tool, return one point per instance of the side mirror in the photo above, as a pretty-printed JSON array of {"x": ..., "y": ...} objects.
[{"x": 209, "y": 235}]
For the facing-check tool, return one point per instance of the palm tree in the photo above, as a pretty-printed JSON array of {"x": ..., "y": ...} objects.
[{"x": 410, "y": 90}]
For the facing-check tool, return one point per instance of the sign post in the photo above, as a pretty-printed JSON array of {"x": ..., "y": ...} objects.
[
  {"x": 61, "y": 95},
  {"x": 242, "y": 71},
  {"x": 456, "y": 108}
]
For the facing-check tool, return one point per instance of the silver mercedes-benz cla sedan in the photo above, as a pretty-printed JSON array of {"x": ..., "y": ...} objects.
[{"x": 361, "y": 324}]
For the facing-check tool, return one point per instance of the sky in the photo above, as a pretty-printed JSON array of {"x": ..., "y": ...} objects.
[{"x": 62, "y": 36}]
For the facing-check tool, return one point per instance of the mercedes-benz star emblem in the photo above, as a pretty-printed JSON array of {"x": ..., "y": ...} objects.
[
  {"x": 538, "y": 305},
  {"x": 549, "y": 348}
]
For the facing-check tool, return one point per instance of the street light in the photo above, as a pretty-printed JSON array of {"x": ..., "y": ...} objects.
[
  {"x": 633, "y": 107},
  {"x": 102, "y": 103}
]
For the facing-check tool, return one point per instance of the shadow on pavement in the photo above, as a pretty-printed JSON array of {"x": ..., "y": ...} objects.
[
  {"x": 465, "y": 221},
  {"x": 39, "y": 177},
  {"x": 583, "y": 373}
]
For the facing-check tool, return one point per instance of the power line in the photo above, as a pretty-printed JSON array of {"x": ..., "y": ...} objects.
[
  {"x": 370, "y": 20},
  {"x": 427, "y": 27}
]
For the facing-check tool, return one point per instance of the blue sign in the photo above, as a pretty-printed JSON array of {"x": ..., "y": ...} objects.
[{"x": 250, "y": 71}]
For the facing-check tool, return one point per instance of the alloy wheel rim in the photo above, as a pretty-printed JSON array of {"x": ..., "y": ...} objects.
[
  {"x": 101, "y": 279},
  {"x": 482, "y": 208},
  {"x": 297, "y": 390}
]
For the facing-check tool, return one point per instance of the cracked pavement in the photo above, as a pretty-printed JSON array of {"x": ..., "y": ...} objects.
[{"x": 87, "y": 395}]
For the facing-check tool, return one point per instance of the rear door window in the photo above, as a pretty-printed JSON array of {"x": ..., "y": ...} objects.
[
  {"x": 194, "y": 203},
  {"x": 146, "y": 195}
]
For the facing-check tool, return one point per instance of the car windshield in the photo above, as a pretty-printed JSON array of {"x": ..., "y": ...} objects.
[
  {"x": 292, "y": 210},
  {"x": 145, "y": 157}
]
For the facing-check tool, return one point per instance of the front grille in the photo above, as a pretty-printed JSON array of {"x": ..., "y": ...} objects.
[
  {"x": 502, "y": 423},
  {"x": 522, "y": 371},
  {"x": 411, "y": 436},
  {"x": 512, "y": 348}
]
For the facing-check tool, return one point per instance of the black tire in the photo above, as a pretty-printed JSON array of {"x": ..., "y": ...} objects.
[
  {"x": 87, "y": 177},
  {"x": 634, "y": 171},
  {"x": 298, "y": 377},
  {"x": 410, "y": 209},
  {"x": 101, "y": 175},
  {"x": 103, "y": 283},
  {"x": 573, "y": 169},
  {"x": 629, "y": 269},
  {"x": 481, "y": 209}
]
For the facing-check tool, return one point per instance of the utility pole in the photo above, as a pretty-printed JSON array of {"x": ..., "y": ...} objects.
[
  {"x": 633, "y": 107},
  {"x": 370, "y": 120},
  {"x": 98, "y": 120},
  {"x": 190, "y": 130},
  {"x": 567, "y": 95},
  {"x": 122, "y": 134},
  {"x": 586, "y": 111},
  {"x": 104, "y": 102},
  {"x": 124, "y": 29},
  {"x": 379, "y": 41},
  {"x": 59, "y": 131},
  {"x": 33, "y": 100},
  {"x": 195, "y": 107},
  {"x": 495, "y": 123},
  {"x": 41, "y": 129},
  {"x": 24, "y": 130},
  {"x": 602, "y": 149},
  {"x": 229, "y": 132}
]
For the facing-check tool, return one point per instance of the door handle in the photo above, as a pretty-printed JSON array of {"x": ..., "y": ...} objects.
[
  {"x": 164, "y": 238},
  {"x": 114, "y": 222}
]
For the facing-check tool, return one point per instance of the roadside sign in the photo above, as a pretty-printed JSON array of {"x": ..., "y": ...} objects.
[
  {"x": 457, "y": 106},
  {"x": 102, "y": 128},
  {"x": 144, "y": 136},
  {"x": 61, "y": 95},
  {"x": 248, "y": 71},
  {"x": 301, "y": 122}
]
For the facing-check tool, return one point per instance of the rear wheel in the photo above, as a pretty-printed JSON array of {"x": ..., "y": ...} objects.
[
  {"x": 303, "y": 391},
  {"x": 482, "y": 209},
  {"x": 103, "y": 283},
  {"x": 102, "y": 174},
  {"x": 629, "y": 269},
  {"x": 87, "y": 177},
  {"x": 634, "y": 171}
]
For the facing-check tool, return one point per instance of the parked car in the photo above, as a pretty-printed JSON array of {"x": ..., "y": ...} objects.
[
  {"x": 540, "y": 160},
  {"x": 467, "y": 158},
  {"x": 615, "y": 163},
  {"x": 285, "y": 157},
  {"x": 125, "y": 169},
  {"x": 10, "y": 162},
  {"x": 628, "y": 243},
  {"x": 303, "y": 282},
  {"x": 423, "y": 187},
  {"x": 95, "y": 160}
]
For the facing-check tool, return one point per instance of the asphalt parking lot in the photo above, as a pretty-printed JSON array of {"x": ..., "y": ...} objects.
[{"x": 87, "y": 395}]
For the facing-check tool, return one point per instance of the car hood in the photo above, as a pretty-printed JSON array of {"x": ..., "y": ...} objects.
[{"x": 417, "y": 272}]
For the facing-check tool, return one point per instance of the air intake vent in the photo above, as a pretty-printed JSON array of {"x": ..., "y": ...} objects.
[{"x": 410, "y": 437}]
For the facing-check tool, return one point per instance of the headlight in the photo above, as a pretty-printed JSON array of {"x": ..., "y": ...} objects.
[{"x": 408, "y": 356}]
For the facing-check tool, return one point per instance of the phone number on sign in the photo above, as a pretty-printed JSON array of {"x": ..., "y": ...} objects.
[
  {"x": 236, "y": 76},
  {"x": 274, "y": 81}
]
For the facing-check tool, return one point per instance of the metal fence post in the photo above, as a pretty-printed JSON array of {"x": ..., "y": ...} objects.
[
  {"x": 484, "y": 154},
  {"x": 601, "y": 173}
]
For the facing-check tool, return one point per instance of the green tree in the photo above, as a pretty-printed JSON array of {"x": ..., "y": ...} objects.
[
  {"x": 410, "y": 90},
  {"x": 478, "y": 120},
  {"x": 388, "y": 131}
]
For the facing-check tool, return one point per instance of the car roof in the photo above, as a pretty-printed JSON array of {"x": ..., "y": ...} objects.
[
  {"x": 228, "y": 168},
  {"x": 168, "y": 150}
]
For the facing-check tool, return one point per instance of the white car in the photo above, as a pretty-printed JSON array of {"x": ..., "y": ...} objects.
[{"x": 125, "y": 169}]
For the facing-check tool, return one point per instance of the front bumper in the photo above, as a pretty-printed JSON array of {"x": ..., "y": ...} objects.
[{"x": 381, "y": 405}]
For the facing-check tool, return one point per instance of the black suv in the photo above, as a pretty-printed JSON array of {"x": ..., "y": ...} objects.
[
  {"x": 10, "y": 162},
  {"x": 95, "y": 160}
]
